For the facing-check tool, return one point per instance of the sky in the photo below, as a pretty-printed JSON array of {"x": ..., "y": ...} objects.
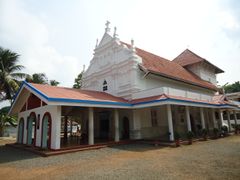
[{"x": 57, "y": 37}]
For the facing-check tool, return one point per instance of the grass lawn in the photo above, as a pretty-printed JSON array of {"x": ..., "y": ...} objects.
[{"x": 213, "y": 159}]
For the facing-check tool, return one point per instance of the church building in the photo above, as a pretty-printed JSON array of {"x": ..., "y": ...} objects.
[{"x": 127, "y": 94}]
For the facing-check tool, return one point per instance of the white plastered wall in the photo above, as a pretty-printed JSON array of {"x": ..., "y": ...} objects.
[
  {"x": 55, "y": 112},
  {"x": 204, "y": 71}
]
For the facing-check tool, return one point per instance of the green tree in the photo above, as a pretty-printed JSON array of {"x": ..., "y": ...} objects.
[
  {"x": 231, "y": 88},
  {"x": 38, "y": 78},
  {"x": 78, "y": 81},
  {"x": 6, "y": 120},
  {"x": 41, "y": 78},
  {"x": 54, "y": 83},
  {"x": 10, "y": 74}
]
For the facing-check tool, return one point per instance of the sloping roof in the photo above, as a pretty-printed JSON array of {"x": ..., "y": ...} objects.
[
  {"x": 222, "y": 99},
  {"x": 56, "y": 92},
  {"x": 171, "y": 97},
  {"x": 149, "y": 99},
  {"x": 170, "y": 69},
  {"x": 74, "y": 97},
  {"x": 164, "y": 67},
  {"x": 188, "y": 57}
]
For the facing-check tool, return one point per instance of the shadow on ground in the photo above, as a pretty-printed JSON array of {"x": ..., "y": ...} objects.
[
  {"x": 9, "y": 154},
  {"x": 137, "y": 147}
]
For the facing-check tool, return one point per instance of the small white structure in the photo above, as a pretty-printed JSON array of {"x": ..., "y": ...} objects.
[{"x": 127, "y": 93}]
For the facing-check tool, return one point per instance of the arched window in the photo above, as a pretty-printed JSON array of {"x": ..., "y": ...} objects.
[{"x": 105, "y": 87}]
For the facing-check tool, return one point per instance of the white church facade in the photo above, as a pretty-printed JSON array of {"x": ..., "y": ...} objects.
[{"x": 127, "y": 94}]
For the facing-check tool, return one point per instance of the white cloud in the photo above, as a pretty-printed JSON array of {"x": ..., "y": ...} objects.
[
  {"x": 28, "y": 35},
  {"x": 228, "y": 21}
]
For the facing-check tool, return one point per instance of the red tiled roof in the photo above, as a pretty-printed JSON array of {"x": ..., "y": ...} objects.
[
  {"x": 221, "y": 99},
  {"x": 188, "y": 57},
  {"x": 151, "y": 98},
  {"x": 77, "y": 94},
  {"x": 217, "y": 100},
  {"x": 71, "y": 93},
  {"x": 159, "y": 65},
  {"x": 170, "y": 69}
]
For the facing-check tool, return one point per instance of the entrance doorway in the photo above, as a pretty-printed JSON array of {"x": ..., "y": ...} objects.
[
  {"x": 46, "y": 131},
  {"x": 104, "y": 125},
  {"x": 20, "y": 131},
  {"x": 125, "y": 130},
  {"x": 193, "y": 125},
  {"x": 31, "y": 129}
]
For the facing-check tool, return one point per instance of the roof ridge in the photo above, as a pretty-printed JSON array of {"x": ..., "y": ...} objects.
[
  {"x": 188, "y": 50},
  {"x": 153, "y": 54}
]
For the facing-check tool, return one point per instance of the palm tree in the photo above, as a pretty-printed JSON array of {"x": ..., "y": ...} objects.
[
  {"x": 10, "y": 75},
  {"x": 41, "y": 78},
  {"x": 6, "y": 120},
  {"x": 38, "y": 78}
]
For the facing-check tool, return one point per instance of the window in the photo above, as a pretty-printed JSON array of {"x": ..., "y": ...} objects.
[
  {"x": 105, "y": 87},
  {"x": 154, "y": 117}
]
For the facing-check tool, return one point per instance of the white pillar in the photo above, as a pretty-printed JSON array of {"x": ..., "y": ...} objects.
[
  {"x": 170, "y": 123},
  {"x": 235, "y": 117},
  {"x": 220, "y": 117},
  {"x": 202, "y": 118},
  {"x": 25, "y": 129},
  {"x": 188, "y": 118},
  {"x": 229, "y": 123},
  {"x": 56, "y": 127},
  {"x": 90, "y": 126},
  {"x": 214, "y": 119},
  {"x": 116, "y": 125}
]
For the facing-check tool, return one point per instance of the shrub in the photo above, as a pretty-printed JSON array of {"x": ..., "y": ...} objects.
[
  {"x": 204, "y": 132},
  {"x": 224, "y": 130},
  {"x": 190, "y": 134},
  {"x": 176, "y": 135}
]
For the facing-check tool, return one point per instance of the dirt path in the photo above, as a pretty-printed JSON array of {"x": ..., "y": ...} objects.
[{"x": 215, "y": 159}]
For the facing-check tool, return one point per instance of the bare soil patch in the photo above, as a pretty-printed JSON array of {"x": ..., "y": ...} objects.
[{"x": 213, "y": 159}]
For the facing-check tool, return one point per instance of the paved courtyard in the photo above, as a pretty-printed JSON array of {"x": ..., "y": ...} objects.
[{"x": 214, "y": 159}]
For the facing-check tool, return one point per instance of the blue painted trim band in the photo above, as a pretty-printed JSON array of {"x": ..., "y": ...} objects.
[
  {"x": 36, "y": 90},
  {"x": 76, "y": 100},
  {"x": 109, "y": 102},
  {"x": 15, "y": 96},
  {"x": 180, "y": 100},
  {"x": 88, "y": 101}
]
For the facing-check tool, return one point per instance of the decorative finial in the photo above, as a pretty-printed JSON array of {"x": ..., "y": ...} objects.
[
  {"x": 107, "y": 29},
  {"x": 132, "y": 42},
  {"x": 132, "y": 45},
  {"x": 96, "y": 43},
  {"x": 115, "y": 35}
]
